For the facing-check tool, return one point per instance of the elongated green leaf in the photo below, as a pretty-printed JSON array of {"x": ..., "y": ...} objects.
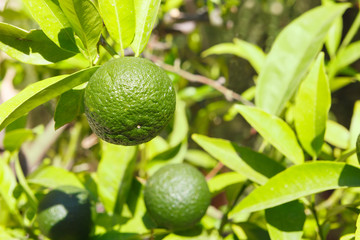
[
  {"x": 139, "y": 221},
  {"x": 39, "y": 93},
  {"x": 354, "y": 132},
  {"x": 334, "y": 36},
  {"x": 299, "y": 181},
  {"x": 337, "y": 83},
  {"x": 172, "y": 155},
  {"x": 274, "y": 130},
  {"x": 357, "y": 233},
  {"x": 354, "y": 125},
  {"x": 240, "y": 48},
  {"x": 255, "y": 166},
  {"x": 32, "y": 47},
  {"x": 48, "y": 14},
  {"x": 312, "y": 107},
  {"x": 119, "y": 19},
  {"x": 115, "y": 172},
  {"x": 7, "y": 185},
  {"x": 221, "y": 181},
  {"x": 337, "y": 135},
  {"x": 181, "y": 126},
  {"x": 286, "y": 221},
  {"x": 358, "y": 148},
  {"x": 53, "y": 177},
  {"x": 344, "y": 58},
  {"x": 70, "y": 106},
  {"x": 145, "y": 15},
  {"x": 291, "y": 55},
  {"x": 14, "y": 139},
  {"x": 25, "y": 186},
  {"x": 200, "y": 158},
  {"x": 86, "y": 22},
  {"x": 247, "y": 230}
]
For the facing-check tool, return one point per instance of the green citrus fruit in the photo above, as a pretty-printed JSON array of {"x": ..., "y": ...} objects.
[
  {"x": 129, "y": 100},
  {"x": 65, "y": 214},
  {"x": 177, "y": 196}
]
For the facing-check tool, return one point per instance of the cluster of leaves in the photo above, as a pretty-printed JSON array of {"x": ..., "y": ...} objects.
[{"x": 269, "y": 189}]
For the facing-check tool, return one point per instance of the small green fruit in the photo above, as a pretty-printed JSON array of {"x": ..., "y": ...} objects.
[{"x": 177, "y": 196}]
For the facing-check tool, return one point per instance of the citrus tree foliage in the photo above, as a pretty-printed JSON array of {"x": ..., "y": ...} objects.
[{"x": 278, "y": 153}]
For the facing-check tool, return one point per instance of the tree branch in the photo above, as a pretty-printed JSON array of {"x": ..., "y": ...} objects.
[{"x": 229, "y": 94}]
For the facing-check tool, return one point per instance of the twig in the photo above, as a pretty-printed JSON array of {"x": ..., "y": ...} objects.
[
  {"x": 229, "y": 94},
  {"x": 214, "y": 171}
]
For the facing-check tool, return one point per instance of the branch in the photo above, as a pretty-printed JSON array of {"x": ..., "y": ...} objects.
[{"x": 229, "y": 94}]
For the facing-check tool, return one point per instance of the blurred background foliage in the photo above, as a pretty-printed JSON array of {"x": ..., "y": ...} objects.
[{"x": 183, "y": 31}]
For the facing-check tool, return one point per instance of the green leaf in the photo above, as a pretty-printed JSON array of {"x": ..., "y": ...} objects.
[
  {"x": 333, "y": 37},
  {"x": 240, "y": 48},
  {"x": 39, "y": 93},
  {"x": 247, "y": 230},
  {"x": 195, "y": 233},
  {"x": 172, "y": 155},
  {"x": 7, "y": 185},
  {"x": 337, "y": 83},
  {"x": 145, "y": 16},
  {"x": 114, "y": 174},
  {"x": 357, "y": 232},
  {"x": 181, "y": 126},
  {"x": 14, "y": 139},
  {"x": 312, "y": 106},
  {"x": 32, "y": 47},
  {"x": 344, "y": 58},
  {"x": 221, "y": 181},
  {"x": 53, "y": 177},
  {"x": 291, "y": 55},
  {"x": 274, "y": 130},
  {"x": 337, "y": 135},
  {"x": 70, "y": 106},
  {"x": 53, "y": 22},
  {"x": 358, "y": 148},
  {"x": 255, "y": 166},
  {"x": 119, "y": 19},
  {"x": 354, "y": 132},
  {"x": 299, "y": 181},
  {"x": 139, "y": 222},
  {"x": 200, "y": 158},
  {"x": 22, "y": 181},
  {"x": 86, "y": 22},
  {"x": 354, "y": 125},
  {"x": 286, "y": 221}
]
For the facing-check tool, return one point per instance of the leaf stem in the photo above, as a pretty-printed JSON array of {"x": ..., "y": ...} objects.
[
  {"x": 316, "y": 217},
  {"x": 107, "y": 47}
]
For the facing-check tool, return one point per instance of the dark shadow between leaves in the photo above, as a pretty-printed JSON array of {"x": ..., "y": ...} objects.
[
  {"x": 77, "y": 210},
  {"x": 259, "y": 162},
  {"x": 288, "y": 217},
  {"x": 318, "y": 141},
  {"x": 349, "y": 177},
  {"x": 34, "y": 41},
  {"x": 253, "y": 231},
  {"x": 113, "y": 235}
]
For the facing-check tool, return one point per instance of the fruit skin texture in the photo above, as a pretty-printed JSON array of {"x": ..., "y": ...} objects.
[
  {"x": 177, "y": 196},
  {"x": 129, "y": 100},
  {"x": 65, "y": 214}
]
